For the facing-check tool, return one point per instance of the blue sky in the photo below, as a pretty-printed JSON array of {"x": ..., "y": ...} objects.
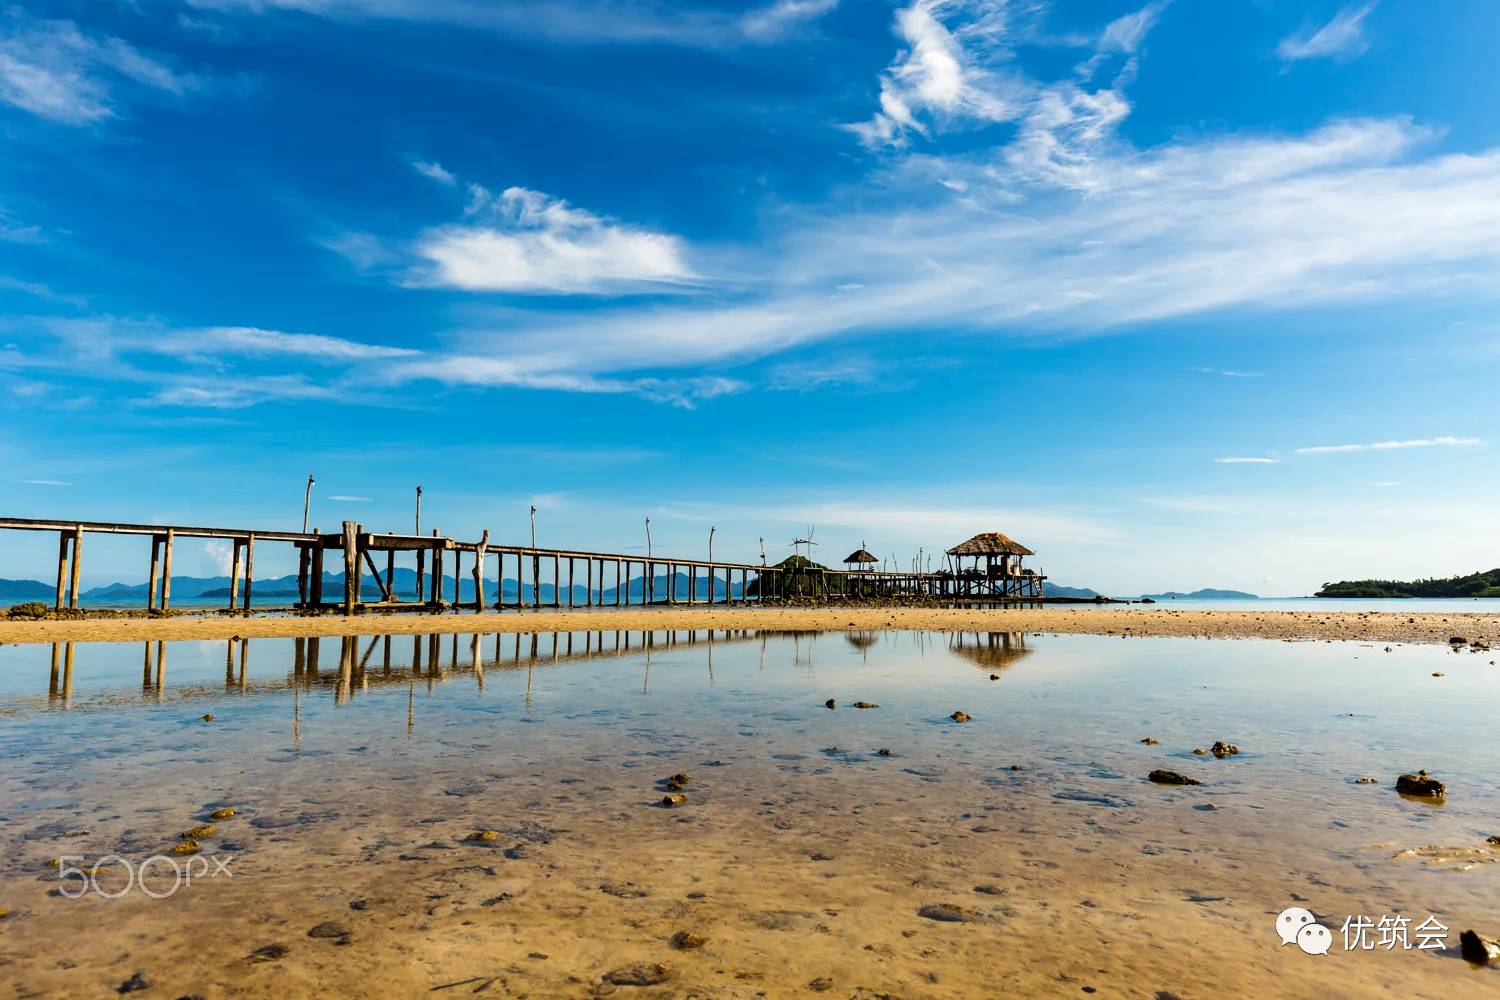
[{"x": 1179, "y": 294}]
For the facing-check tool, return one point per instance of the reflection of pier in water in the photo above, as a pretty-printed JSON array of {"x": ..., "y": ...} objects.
[{"x": 368, "y": 661}]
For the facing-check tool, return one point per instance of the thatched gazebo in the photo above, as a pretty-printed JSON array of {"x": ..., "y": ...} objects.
[
  {"x": 860, "y": 559},
  {"x": 995, "y": 568}
]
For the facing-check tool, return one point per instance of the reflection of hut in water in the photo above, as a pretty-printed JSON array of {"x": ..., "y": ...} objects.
[
  {"x": 994, "y": 568},
  {"x": 990, "y": 650},
  {"x": 861, "y": 640}
]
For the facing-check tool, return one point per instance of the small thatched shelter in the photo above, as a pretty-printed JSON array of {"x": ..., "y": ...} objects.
[
  {"x": 859, "y": 558},
  {"x": 995, "y": 569}
]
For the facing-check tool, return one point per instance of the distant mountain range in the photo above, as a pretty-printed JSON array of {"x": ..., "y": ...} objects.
[
  {"x": 404, "y": 582},
  {"x": 1206, "y": 594}
]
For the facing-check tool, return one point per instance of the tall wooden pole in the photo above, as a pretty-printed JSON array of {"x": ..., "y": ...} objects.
[
  {"x": 155, "y": 572},
  {"x": 166, "y": 576},
  {"x": 77, "y": 566},
  {"x": 249, "y": 567},
  {"x": 351, "y": 567},
  {"x": 62, "y": 567},
  {"x": 421, "y": 593}
]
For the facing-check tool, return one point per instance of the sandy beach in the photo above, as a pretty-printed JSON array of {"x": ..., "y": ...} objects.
[{"x": 1125, "y": 622}]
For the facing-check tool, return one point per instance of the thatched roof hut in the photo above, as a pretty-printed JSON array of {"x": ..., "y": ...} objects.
[
  {"x": 861, "y": 557},
  {"x": 990, "y": 543}
]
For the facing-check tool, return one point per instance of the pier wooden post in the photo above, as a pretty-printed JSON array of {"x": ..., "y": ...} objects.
[
  {"x": 692, "y": 584},
  {"x": 234, "y": 576},
  {"x": 572, "y": 567},
  {"x": 617, "y": 583},
  {"x": 480, "y": 551},
  {"x": 588, "y": 572},
  {"x": 351, "y": 567},
  {"x": 303, "y": 560},
  {"x": 316, "y": 571},
  {"x": 390, "y": 575},
  {"x": 166, "y": 574},
  {"x": 155, "y": 572},
  {"x": 556, "y": 581},
  {"x": 520, "y": 581},
  {"x": 77, "y": 566},
  {"x": 249, "y": 568},
  {"x": 437, "y": 571},
  {"x": 458, "y": 563},
  {"x": 62, "y": 567}
]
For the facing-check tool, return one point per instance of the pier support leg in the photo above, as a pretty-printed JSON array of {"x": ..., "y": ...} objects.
[
  {"x": 77, "y": 567},
  {"x": 351, "y": 567},
  {"x": 62, "y": 567},
  {"x": 166, "y": 575},
  {"x": 234, "y": 576},
  {"x": 155, "y": 572},
  {"x": 249, "y": 569}
]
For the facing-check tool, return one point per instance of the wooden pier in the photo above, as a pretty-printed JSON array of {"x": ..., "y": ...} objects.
[{"x": 577, "y": 578}]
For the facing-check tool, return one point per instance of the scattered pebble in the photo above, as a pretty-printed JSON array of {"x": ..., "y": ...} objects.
[
  {"x": 187, "y": 847},
  {"x": 865, "y": 704},
  {"x": 209, "y": 717},
  {"x": 200, "y": 832},
  {"x": 1164, "y": 777},
  {"x": 946, "y": 913},
  {"x": 329, "y": 930},
  {"x": 960, "y": 717},
  {"x": 883, "y": 752},
  {"x": 1149, "y": 741},
  {"x": 486, "y": 836},
  {"x": 642, "y": 974},
  {"x": 1199, "y": 751},
  {"x": 830, "y": 703},
  {"x": 687, "y": 941},
  {"x": 1479, "y": 950},
  {"x": 1222, "y": 749},
  {"x": 994, "y": 677},
  {"x": 267, "y": 953},
  {"x": 673, "y": 800},
  {"x": 1366, "y": 781},
  {"x": 134, "y": 983},
  {"x": 821, "y": 985},
  {"x": 224, "y": 813}
]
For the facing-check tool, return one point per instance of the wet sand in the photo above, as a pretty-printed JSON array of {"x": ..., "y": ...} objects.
[
  {"x": 1393, "y": 626},
  {"x": 800, "y": 866}
]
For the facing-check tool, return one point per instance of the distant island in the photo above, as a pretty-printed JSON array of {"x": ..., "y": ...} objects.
[
  {"x": 1205, "y": 594},
  {"x": 1473, "y": 585}
]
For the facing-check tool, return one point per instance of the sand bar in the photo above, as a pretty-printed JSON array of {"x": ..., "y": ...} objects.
[{"x": 1393, "y": 626}]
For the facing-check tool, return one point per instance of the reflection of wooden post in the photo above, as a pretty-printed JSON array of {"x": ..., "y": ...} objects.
[
  {"x": 67, "y": 690},
  {"x": 77, "y": 566},
  {"x": 166, "y": 572},
  {"x": 56, "y": 660},
  {"x": 299, "y": 656},
  {"x": 62, "y": 567},
  {"x": 161, "y": 668},
  {"x": 155, "y": 572},
  {"x": 249, "y": 568},
  {"x": 244, "y": 656},
  {"x": 351, "y": 567},
  {"x": 145, "y": 668}
]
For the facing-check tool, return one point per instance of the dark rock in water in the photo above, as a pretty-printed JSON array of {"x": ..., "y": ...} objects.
[
  {"x": 865, "y": 704},
  {"x": 643, "y": 974},
  {"x": 134, "y": 983},
  {"x": 329, "y": 929},
  {"x": 883, "y": 752},
  {"x": 209, "y": 717},
  {"x": 1149, "y": 741},
  {"x": 1476, "y": 949},
  {"x": 830, "y": 703},
  {"x": 1457, "y": 640},
  {"x": 679, "y": 778},
  {"x": 673, "y": 801},
  {"x": 1199, "y": 751},
  {"x": 268, "y": 953},
  {"x": 1164, "y": 777},
  {"x": 1421, "y": 784},
  {"x": 1493, "y": 840},
  {"x": 1015, "y": 767},
  {"x": 994, "y": 677},
  {"x": 960, "y": 717},
  {"x": 1222, "y": 749},
  {"x": 947, "y": 913},
  {"x": 1366, "y": 781},
  {"x": 1438, "y": 673},
  {"x": 687, "y": 941}
]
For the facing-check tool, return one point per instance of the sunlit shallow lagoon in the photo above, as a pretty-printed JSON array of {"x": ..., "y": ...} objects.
[{"x": 811, "y": 840}]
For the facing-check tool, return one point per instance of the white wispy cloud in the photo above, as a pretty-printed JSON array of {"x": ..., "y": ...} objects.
[
  {"x": 1341, "y": 38},
  {"x": 1386, "y": 484},
  {"x": 341, "y": 498},
  {"x": 525, "y": 241},
  {"x": 1228, "y": 372},
  {"x": 1437, "y": 442},
  {"x": 53, "y": 70},
  {"x": 1247, "y": 460},
  {"x": 43, "y": 482},
  {"x": 576, "y": 21},
  {"x": 434, "y": 171}
]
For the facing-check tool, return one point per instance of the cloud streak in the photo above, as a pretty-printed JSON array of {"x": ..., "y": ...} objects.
[
  {"x": 1342, "y": 38},
  {"x": 1437, "y": 442}
]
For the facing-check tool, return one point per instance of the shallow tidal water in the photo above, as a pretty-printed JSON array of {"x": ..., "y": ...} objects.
[{"x": 806, "y": 860}]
